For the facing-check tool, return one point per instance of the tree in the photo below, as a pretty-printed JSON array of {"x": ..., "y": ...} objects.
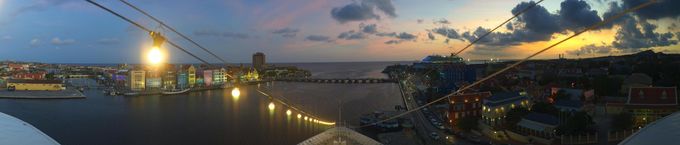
[
  {"x": 577, "y": 124},
  {"x": 605, "y": 86},
  {"x": 467, "y": 123},
  {"x": 543, "y": 107},
  {"x": 49, "y": 76},
  {"x": 622, "y": 121},
  {"x": 513, "y": 116}
]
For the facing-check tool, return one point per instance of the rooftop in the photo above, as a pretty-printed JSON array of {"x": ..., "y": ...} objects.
[
  {"x": 542, "y": 118},
  {"x": 503, "y": 98},
  {"x": 652, "y": 96}
]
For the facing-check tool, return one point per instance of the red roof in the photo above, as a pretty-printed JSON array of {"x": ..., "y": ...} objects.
[{"x": 652, "y": 96}]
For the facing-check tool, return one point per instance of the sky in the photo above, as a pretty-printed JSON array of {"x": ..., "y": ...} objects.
[{"x": 75, "y": 31}]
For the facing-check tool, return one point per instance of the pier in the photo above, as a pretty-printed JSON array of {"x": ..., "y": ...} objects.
[{"x": 337, "y": 80}]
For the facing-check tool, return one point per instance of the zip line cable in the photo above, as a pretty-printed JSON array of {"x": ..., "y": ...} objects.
[
  {"x": 518, "y": 62},
  {"x": 145, "y": 29},
  {"x": 494, "y": 29},
  {"x": 173, "y": 30}
]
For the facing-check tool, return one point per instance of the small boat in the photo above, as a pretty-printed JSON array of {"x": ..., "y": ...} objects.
[
  {"x": 173, "y": 92},
  {"x": 131, "y": 93}
]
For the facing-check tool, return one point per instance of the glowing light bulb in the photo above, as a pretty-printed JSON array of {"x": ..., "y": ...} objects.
[
  {"x": 235, "y": 92},
  {"x": 271, "y": 106},
  {"x": 155, "y": 56},
  {"x": 288, "y": 112},
  {"x": 299, "y": 116},
  {"x": 306, "y": 118}
]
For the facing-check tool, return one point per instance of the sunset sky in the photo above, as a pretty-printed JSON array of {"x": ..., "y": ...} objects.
[{"x": 74, "y": 31}]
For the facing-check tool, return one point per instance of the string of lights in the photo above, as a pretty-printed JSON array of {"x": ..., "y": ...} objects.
[
  {"x": 173, "y": 30},
  {"x": 301, "y": 113},
  {"x": 145, "y": 29},
  {"x": 608, "y": 20}
]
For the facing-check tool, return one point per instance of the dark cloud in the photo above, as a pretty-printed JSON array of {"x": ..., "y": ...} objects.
[
  {"x": 591, "y": 49},
  {"x": 631, "y": 37},
  {"x": 393, "y": 42},
  {"x": 509, "y": 26},
  {"x": 351, "y": 35},
  {"x": 615, "y": 8},
  {"x": 539, "y": 24},
  {"x": 370, "y": 29},
  {"x": 405, "y": 36},
  {"x": 442, "y": 21},
  {"x": 447, "y": 32},
  {"x": 320, "y": 38},
  {"x": 364, "y": 10},
  {"x": 235, "y": 35},
  {"x": 660, "y": 9},
  {"x": 384, "y": 34},
  {"x": 286, "y": 32},
  {"x": 495, "y": 38},
  {"x": 430, "y": 36},
  {"x": 577, "y": 14}
]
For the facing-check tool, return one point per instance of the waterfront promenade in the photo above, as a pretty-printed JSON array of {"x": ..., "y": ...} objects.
[{"x": 64, "y": 94}]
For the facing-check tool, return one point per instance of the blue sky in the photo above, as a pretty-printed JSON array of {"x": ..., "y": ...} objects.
[{"x": 74, "y": 31}]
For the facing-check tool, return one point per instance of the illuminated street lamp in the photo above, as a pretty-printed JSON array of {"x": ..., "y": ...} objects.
[
  {"x": 288, "y": 112},
  {"x": 299, "y": 116}
]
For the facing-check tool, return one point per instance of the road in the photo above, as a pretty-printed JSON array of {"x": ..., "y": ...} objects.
[{"x": 420, "y": 122}]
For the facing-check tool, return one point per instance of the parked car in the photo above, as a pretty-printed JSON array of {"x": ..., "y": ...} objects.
[{"x": 434, "y": 136}]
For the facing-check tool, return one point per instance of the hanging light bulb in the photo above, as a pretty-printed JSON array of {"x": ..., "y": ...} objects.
[
  {"x": 271, "y": 106},
  {"x": 288, "y": 112},
  {"x": 155, "y": 55},
  {"x": 299, "y": 116}
]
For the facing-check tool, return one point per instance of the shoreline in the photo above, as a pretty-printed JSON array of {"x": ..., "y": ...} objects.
[{"x": 64, "y": 94}]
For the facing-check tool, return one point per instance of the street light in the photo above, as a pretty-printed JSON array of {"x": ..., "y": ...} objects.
[
  {"x": 288, "y": 112},
  {"x": 271, "y": 106}
]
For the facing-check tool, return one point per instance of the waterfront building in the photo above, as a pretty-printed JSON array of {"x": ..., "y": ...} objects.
[
  {"x": 648, "y": 104},
  {"x": 183, "y": 77},
  {"x": 33, "y": 76},
  {"x": 218, "y": 76},
  {"x": 465, "y": 105},
  {"x": 153, "y": 79},
  {"x": 137, "y": 80},
  {"x": 169, "y": 77},
  {"x": 35, "y": 85},
  {"x": 498, "y": 104},
  {"x": 191, "y": 75},
  {"x": 225, "y": 75},
  {"x": 259, "y": 60},
  {"x": 207, "y": 77}
]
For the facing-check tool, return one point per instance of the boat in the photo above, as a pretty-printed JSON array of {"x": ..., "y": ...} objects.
[
  {"x": 131, "y": 93},
  {"x": 173, "y": 92}
]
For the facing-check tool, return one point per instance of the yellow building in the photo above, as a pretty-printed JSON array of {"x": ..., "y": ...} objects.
[
  {"x": 191, "y": 70},
  {"x": 137, "y": 80},
  {"x": 35, "y": 85}
]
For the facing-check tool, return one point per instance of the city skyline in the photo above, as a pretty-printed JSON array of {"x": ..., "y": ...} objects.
[{"x": 70, "y": 31}]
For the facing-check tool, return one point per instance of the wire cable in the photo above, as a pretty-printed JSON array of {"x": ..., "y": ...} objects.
[
  {"x": 519, "y": 62},
  {"x": 494, "y": 29},
  {"x": 173, "y": 30},
  {"x": 145, "y": 29}
]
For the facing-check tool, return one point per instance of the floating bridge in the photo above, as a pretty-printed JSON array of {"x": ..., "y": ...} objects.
[{"x": 337, "y": 80}]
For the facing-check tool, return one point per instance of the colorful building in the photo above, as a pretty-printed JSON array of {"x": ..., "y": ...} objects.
[
  {"x": 465, "y": 105},
  {"x": 35, "y": 85},
  {"x": 191, "y": 75},
  {"x": 648, "y": 104},
  {"x": 153, "y": 79},
  {"x": 218, "y": 76},
  {"x": 207, "y": 77},
  {"x": 183, "y": 79},
  {"x": 32, "y": 76},
  {"x": 137, "y": 80},
  {"x": 169, "y": 77}
]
